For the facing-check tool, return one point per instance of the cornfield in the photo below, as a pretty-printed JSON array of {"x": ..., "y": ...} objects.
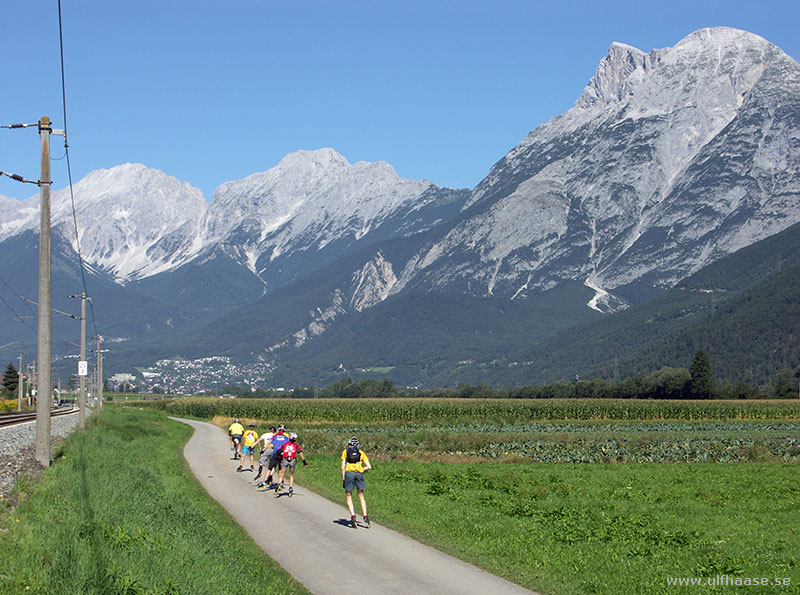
[{"x": 452, "y": 411}]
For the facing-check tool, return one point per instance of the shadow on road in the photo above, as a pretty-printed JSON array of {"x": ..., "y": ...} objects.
[{"x": 346, "y": 523}]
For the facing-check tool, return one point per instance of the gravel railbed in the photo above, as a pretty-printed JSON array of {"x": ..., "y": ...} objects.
[{"x": 18, "y": 453}]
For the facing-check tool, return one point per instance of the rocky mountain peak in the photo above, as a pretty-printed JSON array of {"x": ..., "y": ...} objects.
[
  {"x": 320, "y": 159},
  {"x": 665, "y": 163},
  {"x": 721, "y": 59},
  {"x": 612, "y": 81}
]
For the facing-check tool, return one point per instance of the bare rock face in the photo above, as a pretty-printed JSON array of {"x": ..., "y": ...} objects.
[{"x": 667, "y": 161}]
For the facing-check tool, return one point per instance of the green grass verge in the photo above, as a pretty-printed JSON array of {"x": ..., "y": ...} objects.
[
  {"x": 592, "y": 528},
  {"x": 119, "y": 512}
]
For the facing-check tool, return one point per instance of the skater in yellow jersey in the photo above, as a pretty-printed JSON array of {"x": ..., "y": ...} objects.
[
  {"x": 248, "y": 447},
  {"x": 235, "y": 431},
  {"x": 354, "y": 464}
]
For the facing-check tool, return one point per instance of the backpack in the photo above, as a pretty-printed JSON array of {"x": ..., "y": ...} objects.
[{"x": 353, "y": 454}]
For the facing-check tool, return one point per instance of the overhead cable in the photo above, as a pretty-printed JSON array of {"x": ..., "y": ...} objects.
[{"x": 81, "y": 262}]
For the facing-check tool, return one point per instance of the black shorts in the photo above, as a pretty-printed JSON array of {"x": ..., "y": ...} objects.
[
  {"x": 274, "y": 460},
  {"x": 265, "y": 456}
]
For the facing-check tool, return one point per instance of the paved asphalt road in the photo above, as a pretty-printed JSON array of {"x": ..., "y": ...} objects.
[{"x": 333, "y": 558}]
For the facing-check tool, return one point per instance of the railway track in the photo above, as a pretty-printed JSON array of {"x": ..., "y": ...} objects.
[{"x": 9, "y": 419}]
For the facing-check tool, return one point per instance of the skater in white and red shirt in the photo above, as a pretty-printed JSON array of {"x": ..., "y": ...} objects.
[{"x": 290, "y": 451}]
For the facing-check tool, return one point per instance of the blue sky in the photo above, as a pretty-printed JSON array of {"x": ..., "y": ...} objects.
[{"x": 211, "y": 91}]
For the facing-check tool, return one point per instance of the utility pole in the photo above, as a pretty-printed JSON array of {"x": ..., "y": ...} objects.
[
  {"x": 83, "y": 368},
  {"x": 83, "y": 365},
  {"x": 99, "y": 375},
  {"x": 30, "y": 389},
  {"x": 44, "y": 351},
  {"x": 20, "y": 384}
]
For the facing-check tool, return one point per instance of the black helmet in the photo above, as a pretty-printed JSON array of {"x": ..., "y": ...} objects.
[
  {"x": 272, "y": 429},
  {"x": 281, "y": 428},
  {"x": 251, "y": 425},
  {"x": 353, "y": 441}
]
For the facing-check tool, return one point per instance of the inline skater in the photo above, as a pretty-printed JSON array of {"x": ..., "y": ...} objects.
[
  {"x": 266, "y": 453},
  {"x": 276, "y": 443},
  {"x": 354, "y": 464},
  {"x": 235, "y": 431},
  {"x": 249, "y": 446},
  {"x": 290, "y": 452}
]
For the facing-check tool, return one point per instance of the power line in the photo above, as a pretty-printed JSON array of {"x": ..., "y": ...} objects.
[
  {"x": 16, "y": 314},
  {"x": 13, "y": 291},
  {"x": 19, "y": 178},
  {"x": 69, "y": 166},
  {"x": 67, "y": 314}
]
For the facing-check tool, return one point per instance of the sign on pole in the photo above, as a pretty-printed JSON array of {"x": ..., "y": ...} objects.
[{"x": 83, "y": 368}]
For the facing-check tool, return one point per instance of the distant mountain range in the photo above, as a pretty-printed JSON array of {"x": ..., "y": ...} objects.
[{"x": 669, "y": 162}]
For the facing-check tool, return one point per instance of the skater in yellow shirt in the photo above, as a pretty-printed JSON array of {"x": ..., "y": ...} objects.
[
  {"x": 235, "y": 431},
  {"x": 250, "y": 438},
  {"x": 354, "y": 464}
]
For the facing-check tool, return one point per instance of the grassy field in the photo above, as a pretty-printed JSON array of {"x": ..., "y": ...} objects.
[
  {"x": 600, "y": 528},
  {"x": 119, "y": 512},
  {"x": 494, "y": 483}
]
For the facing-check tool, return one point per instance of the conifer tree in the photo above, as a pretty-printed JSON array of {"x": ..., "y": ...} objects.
[
  {"x": 702, "y": 376},
  {"x": 10, "y": 379}
]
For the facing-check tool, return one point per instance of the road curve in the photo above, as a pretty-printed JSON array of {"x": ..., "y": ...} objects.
[{"x": 307, "y": 535}]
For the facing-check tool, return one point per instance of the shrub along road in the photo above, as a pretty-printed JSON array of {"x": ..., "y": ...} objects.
[{"x": 309, "y": 537}]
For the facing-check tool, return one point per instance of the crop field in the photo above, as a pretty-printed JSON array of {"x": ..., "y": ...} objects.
[
  {"x": 594, "y": 496},
  {"x": 455, "y": 411}
]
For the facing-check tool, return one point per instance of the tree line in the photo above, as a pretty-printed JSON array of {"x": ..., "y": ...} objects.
[{"x": 697, "y": 382}]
